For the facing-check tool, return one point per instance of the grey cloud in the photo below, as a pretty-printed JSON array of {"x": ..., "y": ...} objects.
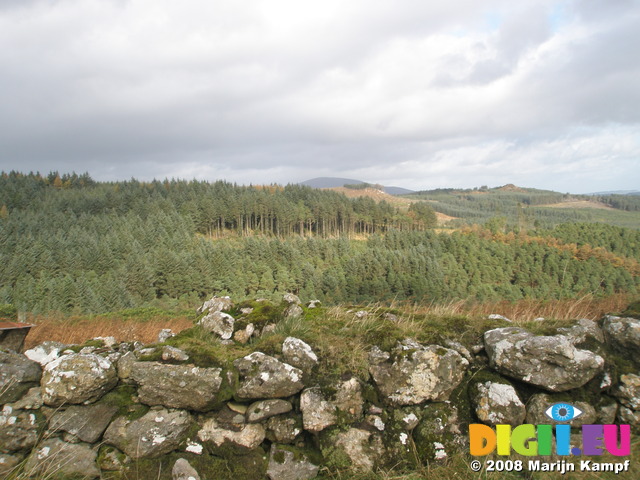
[{"x": 273, "y": 90}]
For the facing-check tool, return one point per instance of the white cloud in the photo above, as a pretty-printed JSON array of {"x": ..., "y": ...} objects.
[{"x": 405, "y": 92}]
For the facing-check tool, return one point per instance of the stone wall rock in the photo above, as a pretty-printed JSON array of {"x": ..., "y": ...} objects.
[
  {"x": 550, "y": 362},
  {"x": 263, "y": 376},
  {"x": 416, "y": 374},
  {"x": 17, "y": 375},
  {"x": 155, "y": 433},
  {"x": 77, "y": 378},
  {"x": 177, "y": 386}
]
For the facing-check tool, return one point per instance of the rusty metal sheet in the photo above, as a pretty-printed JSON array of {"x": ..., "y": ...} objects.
[{"x": 12, "y": 325}]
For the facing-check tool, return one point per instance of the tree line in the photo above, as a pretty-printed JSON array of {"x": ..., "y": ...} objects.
[{"x": 75, "y": 245}]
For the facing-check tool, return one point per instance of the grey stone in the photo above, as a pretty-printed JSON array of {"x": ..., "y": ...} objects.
[
  {"x": 623, "y": 334},
  {"x": 461, "y": 349},
  {"x": 108, "y": 342},
  {"x": 45, "y": 352},
  {"x": 348, "y": 398},
  {"x": 55, "y": 457},
  {"x": 291, "y": 299},
  {"x": 582, "y": 330},
  {"x": 152, "y": 435},
  {"x": 77, "y": 378},
  {"x": 284, "y": 428},
  {"x": 363, "y": 448},
  {"x": 299, "y": 354},
  {"x": 177, "y": 386},
  {"x": 415, "y": 375},
  {"x": 216, "y": 304},
  {"x": 264, "y": 409},
  {"x": 498, "y": 403},
  {"x": 245, "y": 437},
  {"x": 111, "y": 459},
  {"x": 550, "y": 362},
  {"x": 263, "y": 376},
  {"x": 377, "y": 356},
  {"x": 164, "y": 335},
  {"x": 182, "y": 470},
  {"x": 606, "y": 413},
  {"x": 173, "y": 354},
  {"x": 19, "y": 430},
  {"x": 9, "y": 463},
  {"x": 88, "y": 423},
  {"x": 495, "y": 316},
  {"x": 243, "y": 336},
  {"x": 125, "y": 363},
  {"x": 293, "y": 311},
  {"x": 32, "y": 400},
  {"x": 317, "y": 412},
  {"x": 314, "y": 304},
  {"x": 219, "y": 323},
  {"x": 439, "y": 433},
  {"x": 283, "y": 465},
  {"x": 628, "y": 391},
  {"x": 17, "y": 375},
  {"x": 630, "y": 417}
]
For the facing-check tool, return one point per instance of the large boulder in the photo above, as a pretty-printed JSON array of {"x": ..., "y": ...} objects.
[
  {"x": 54, "y": 458},
  {"x": 77, "y": 378},
  {"x": 88, "y": 423},
  {"x": 415, "y": 374},
  {"x": 497, "y": 403},
  {"x": 152, "y": 435},
  {"x": 263, "y": 376},
  {"x": 17, "y": 375},
  {"x": 285, "y": 464},
  {"x": 219, "y": 323},
  {"x": 549, "y": 362},
  {"x": 623, "y": 334},
  {"x": 177, "y": 386}
]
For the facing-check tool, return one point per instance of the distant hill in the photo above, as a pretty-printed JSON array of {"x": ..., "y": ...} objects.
[
  {"x": 334, "y": 182},
  {"x": 616, "y": 192}
]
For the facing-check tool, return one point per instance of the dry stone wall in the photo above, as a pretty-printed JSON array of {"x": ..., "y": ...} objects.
[{"x": 105, "y": 410}]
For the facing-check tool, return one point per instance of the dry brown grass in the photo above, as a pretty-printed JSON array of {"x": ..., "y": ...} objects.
[
  {"x": 586, "y": 306},
  {"x": 77, "y": 330}
]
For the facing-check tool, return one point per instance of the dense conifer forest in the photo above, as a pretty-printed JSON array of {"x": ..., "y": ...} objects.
[{"x": 74, "y": 245}]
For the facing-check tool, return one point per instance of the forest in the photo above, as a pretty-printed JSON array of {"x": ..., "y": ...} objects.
[{"x": 71, "y": 244}]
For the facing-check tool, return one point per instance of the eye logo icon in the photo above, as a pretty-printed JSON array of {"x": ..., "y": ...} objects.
[{"x": 563, "y": 412}]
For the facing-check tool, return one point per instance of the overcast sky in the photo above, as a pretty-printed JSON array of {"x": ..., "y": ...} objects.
[{"x": 414, "y": 93}]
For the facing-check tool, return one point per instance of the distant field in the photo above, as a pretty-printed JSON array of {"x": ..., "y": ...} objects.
[
  {"x": 579, "y": 204},
  {"x": 529, "y": 208}
]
